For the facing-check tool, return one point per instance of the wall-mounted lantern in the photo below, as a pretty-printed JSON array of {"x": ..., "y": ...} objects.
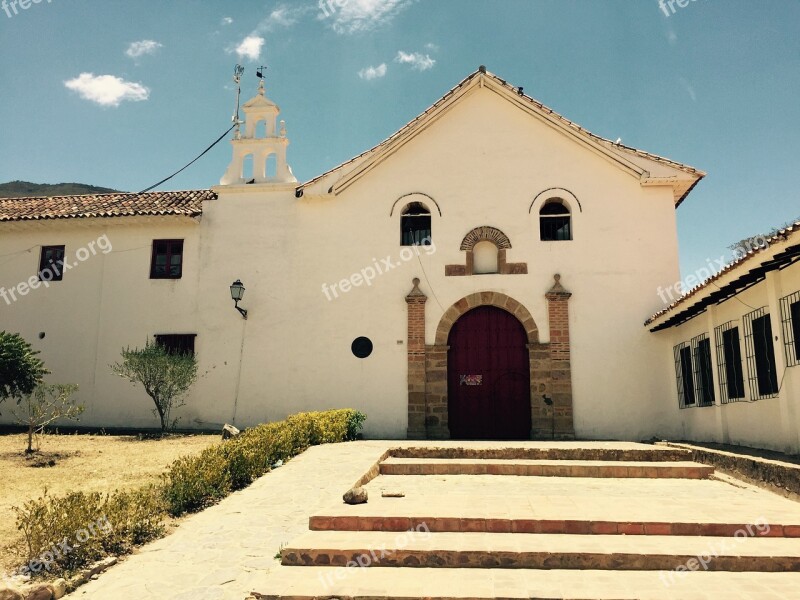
[{"x": 237, "y": 293}]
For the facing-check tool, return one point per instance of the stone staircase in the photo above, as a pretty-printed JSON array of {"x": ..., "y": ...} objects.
[{"x": 570, "y": 522}]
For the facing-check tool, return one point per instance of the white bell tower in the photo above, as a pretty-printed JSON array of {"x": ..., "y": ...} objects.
[{"x": 273, "y": 142}]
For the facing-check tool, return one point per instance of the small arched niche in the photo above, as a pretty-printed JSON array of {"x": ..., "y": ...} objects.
[{"x": 485, "y": 258}]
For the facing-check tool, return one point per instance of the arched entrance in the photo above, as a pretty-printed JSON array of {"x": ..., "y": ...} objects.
[{"x": 488, "y": 376}]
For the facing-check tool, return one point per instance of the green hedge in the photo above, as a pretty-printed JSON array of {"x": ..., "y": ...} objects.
[
  {"x": 63, "y": 534},
  {"x": 116, "y": 523},
  {"x": 194, "y": 482}
]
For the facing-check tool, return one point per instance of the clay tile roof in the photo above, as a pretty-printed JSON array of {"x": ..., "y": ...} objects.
[
  {"x": 187, "y": 203},
  {"x": 738, "y": 264}
]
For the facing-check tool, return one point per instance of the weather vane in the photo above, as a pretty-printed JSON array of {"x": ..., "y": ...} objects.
[{"x": 238, "y": 70}]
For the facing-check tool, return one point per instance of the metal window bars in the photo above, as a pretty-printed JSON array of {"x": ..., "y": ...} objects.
[
  {"x": 683, "y": 374},
  {"x": 761, "y": 374},
  {"x": 730, "y": 367},
  {"x": 703, "y": 371},
  {"x": 790, "y": 323}
]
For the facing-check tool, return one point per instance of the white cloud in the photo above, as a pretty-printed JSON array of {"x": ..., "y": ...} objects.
[
  {"x": 370, "y": 73},
  {"x": 672, "y": 37},
  {"x": 283, "y": 16},
  {"x": 250, "y": 47},
  {"x": 107, "y": 90},
  {"x": 137, "y": 49},
  {"x": 353, "y": 16},
  {"x": 418, "y": 61},
  {"x": 432, "y": 47},
  {"x": 689, "y": 89},
  {"x": 226, "y": 21}
]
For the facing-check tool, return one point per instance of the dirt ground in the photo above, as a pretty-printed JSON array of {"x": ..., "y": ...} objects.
[{"x": 88, "y": 463}]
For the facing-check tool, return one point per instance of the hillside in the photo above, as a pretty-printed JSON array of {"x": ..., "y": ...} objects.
[{"x": 17, "y": 189}]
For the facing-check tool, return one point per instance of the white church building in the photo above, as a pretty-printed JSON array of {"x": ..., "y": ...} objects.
[{"x": 490, "y": 271}]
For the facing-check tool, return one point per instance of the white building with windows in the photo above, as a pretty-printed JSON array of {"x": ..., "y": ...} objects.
[
  {"x": 495, "y": 289},
  {"x": 736, "y": 341}
]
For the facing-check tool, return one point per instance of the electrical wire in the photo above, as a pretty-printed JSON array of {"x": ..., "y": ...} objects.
[{"x": 218, "y": 140}]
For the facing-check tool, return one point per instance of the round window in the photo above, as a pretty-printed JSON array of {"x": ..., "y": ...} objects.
[{"x": 361, "y": 347}]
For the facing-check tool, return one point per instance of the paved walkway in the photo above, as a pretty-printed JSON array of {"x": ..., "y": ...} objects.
[
  {"x": 215, "y": 555},
  {"x": 228, "y": 551}
]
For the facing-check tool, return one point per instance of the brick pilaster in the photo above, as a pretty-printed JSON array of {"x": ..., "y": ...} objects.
[
  {"x": 560, "y": 369},
  {"x": 416, "y": 362}
]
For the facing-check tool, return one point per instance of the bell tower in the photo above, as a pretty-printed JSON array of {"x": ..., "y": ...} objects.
[{"x": 259, "y": 146}]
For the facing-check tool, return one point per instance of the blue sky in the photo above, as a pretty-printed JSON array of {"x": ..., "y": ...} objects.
[{"x": 121, "y": 94}]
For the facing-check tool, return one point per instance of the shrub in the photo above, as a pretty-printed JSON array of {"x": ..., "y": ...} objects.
[
  {"x": 63, "y": 534},
  {"x": 20, "y": 370},
  {"x": 116, "y": 523},
  {"x": 47, "y": 403},
  {"x": 166, "y": 377},
  {"x": 194, "y": 482},
  {"x": 136, "y": 516}
]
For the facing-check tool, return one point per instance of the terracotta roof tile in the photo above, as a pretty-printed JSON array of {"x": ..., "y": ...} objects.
[
  {"x": 187, "y": 203},
  {"x": 782, "y": 234}
]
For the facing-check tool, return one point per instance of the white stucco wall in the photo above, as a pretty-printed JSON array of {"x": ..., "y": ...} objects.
[
  {"x": 772, "y": 423},
  {"x": 484, "y": 162}
]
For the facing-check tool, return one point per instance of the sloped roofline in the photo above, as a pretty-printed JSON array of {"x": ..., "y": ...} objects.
[
  {"x": 611, "y": 150},
  {"x": 117, "y": 204},
  {"x": 738, "y": 268}
]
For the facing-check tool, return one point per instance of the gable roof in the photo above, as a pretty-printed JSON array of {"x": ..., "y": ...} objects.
[
  {"x": 187, "y": 203},
  {"x": 650, "y": 168},
  {"x": 740, "y": 274}
]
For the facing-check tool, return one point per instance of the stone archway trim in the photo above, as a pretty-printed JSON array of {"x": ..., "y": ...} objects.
[
  {"x": 497, "y": 299},
  {"x": 485, "y": 233}
]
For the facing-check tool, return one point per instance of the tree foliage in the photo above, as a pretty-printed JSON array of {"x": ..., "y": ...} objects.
[
  {"x": 757, "y": 242},
  {"x": 46, "y": 404},
  {"x": 165, "y": 376},
  {"x": 20, "y": 369}
]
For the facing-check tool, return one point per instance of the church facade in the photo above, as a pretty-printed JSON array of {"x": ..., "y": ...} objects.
[{"x": 483, "y": 273}]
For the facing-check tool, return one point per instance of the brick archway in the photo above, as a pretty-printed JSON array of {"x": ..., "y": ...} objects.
[
  {"x": 550, "y": 371},
  {"x": 496, "y": 299}
]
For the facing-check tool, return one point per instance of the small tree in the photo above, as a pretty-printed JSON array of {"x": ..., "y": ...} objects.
[
  {"x": 46, "y": 404},
  {"x": 166, "y": 377},
  {"x": 20, "y": 370}
]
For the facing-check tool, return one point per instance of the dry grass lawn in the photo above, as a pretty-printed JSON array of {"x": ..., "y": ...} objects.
[{"x": 87, "y": 463}]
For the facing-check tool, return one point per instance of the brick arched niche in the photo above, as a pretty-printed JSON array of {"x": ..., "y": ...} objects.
[
  {"x": 550, "y": 372},
  {"x": 485, "y": 233}
]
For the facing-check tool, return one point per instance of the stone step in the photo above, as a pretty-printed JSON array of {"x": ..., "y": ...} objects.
[
  {"x": 550, "y": 451},
  {"x": 546, "y": 468},
  {"x": 558, "y": 526},
  {"x": 379, "y": 583},
  {"x": 525, "y": 551}
]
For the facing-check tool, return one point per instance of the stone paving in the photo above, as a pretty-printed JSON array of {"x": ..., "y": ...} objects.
[
  {"x": 228, "y": 550},
  {"x": 219, "y": 553}
]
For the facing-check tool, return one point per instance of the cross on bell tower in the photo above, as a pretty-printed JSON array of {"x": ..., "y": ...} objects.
[{"x": 260, "y": 148}]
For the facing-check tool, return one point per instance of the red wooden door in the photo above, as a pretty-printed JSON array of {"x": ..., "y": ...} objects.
[{"x": 488, "y": 377}]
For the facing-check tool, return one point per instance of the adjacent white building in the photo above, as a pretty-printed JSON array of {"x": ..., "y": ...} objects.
[
  {"x": 736, "y": 343},
  {"x": 482, "y": 273}
]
